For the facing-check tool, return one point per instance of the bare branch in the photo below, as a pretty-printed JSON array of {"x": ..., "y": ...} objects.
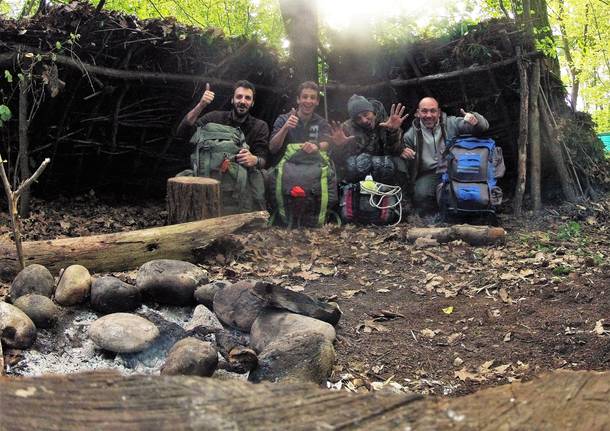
[{"x": 27, "y": 183}]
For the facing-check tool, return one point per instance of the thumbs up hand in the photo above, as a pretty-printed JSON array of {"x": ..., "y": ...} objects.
[
  {"x": 469, "y": 118},
  {"x": 208, "y": 96},
  {"x": 293, "y": 120}
]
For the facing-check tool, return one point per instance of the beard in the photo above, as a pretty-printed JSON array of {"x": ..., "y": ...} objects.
[{"x": 240, "y": 110}]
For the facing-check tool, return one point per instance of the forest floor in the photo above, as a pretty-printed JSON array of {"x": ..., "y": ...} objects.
[{"x": 447, "y": 319}]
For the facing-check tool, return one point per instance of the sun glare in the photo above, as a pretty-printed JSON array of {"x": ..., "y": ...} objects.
[{"x": 344, "y": 14}]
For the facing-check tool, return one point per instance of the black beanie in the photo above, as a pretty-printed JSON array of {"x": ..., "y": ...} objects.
[{"x": 357, "y": 105}]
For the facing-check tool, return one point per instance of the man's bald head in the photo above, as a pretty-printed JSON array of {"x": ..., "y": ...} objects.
[{"x": 428, "y": 112}]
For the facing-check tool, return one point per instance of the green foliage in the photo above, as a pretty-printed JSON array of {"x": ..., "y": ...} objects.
[
  {"x": 5, "y": 114},
  {"x": 585, "y": 27},
  {"x": 8, "y": 76},
  {"x": 260, "y": 20},
  {"x": 562, "y": 270},
  {"x": 569, "y": 231},
  {"x": 544, "y": 42}
]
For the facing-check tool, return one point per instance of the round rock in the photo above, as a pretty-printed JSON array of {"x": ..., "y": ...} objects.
[
  {"x": 123, "y": 333},
  {"x": 203, "y": 319},
  {"x": 111, "y": 295},
  {"x": 74, "y": 287},
  {"x": 304, "y": 357},
  {"x": 191, "y": 356},
  {"x": 205, "y": 294},
  {"x": 171, "y": 282},
  {"x": 273, "y": 324},
  {"x": 43, "y": 312},
  {"x": 32, "y": 279},
  {"x": 237, "y": 306},
  {"x": 16, "y": 329}
]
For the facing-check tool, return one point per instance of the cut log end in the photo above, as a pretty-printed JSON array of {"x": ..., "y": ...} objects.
[{"x": 192, "y": 199}]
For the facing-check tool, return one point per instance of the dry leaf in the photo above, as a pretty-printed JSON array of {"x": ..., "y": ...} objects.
[
  {"x": 501, "y": 369},
  {"x": 464, "y": 375},
  {"x": 296, "y": 288},
  {"x": 377, "y": 369},
  {"x": 306, "y": 275},
  {"x": 599, "y": 328},
  {"x": 504, "y": 295},
  {"x": 324, "y": 270},
  {"x": 383, "y": 290},
  {"x": 428, "y": 333},
  {"x": 485, "y": 366},
  {"x": 435, "y": 281},
  {"x": 448, "y": 293},
  {"x": 352, "y": 293},
  {"x": 506, "y": 338},
  {"x": 370, "y": 325},
  {"x": 526, "y": 272},
  {"x": 454, "y": 337}
]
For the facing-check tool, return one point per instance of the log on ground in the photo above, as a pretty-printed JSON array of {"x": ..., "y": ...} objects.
[
  {"x": 473, "y": 235},
  {"x": 192, "y": 199},
  {"x": 574, "y": 400},
  {"x": 127, "y": 250}
]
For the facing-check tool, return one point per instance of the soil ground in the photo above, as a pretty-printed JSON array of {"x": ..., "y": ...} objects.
[{"x": 445, "y": 319}]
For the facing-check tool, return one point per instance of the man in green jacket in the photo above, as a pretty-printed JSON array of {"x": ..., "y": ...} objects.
[{"x": 424, "y": 143}]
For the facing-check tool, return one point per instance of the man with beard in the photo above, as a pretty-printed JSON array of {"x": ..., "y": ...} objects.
[
  {"x": 256, "y": 131},
  {"x": 369, "y": 130},
  {"x": 302, "y": 125},
  {"x": 425, "y": 143}
]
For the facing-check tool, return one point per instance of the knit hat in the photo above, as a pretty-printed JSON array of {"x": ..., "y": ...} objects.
[{"x": 357, "y": 105}]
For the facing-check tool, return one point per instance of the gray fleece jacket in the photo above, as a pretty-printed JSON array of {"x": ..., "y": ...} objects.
[{"x": 429, "y": 144}]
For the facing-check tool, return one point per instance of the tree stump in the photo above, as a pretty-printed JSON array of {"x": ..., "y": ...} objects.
[{"x": 192, "y": 199}]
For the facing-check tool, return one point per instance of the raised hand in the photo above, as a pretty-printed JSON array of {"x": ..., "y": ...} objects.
[
  {"x": 293, "y": 120},
  {"x": 469, "y": 118},
  {"x": 208, "y": 95},
  {"x": 396, "y": 117},
  {"x": 338, "y": 134}
]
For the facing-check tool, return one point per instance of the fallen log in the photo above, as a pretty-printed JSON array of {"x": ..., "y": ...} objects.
[
  {"x": 473, "y": 235},
  {"x": 570, "y": 400},
  {"x": 127, "y": 250}
]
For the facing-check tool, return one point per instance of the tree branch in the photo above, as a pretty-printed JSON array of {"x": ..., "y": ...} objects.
[
  {"x": 131, "y": 75},
  {"x": 27, "y": 183}
]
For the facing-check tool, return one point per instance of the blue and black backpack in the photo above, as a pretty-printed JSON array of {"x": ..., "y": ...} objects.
[{"x": 471, "y": 167}]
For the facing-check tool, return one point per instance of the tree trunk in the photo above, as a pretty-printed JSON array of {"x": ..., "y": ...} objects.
[
  {"x": 534, "y": 137},
  {"x": 522, "y": 142},
  {"x": 127, "y": 250},
  {"x": 574, "y": 72},
  {"x": 473, "y": 235},
  {"x": 192, "y": 199},
  {"x": 549, "y": 139},
  {"x": 569, "y": 400},
  {"x": 301, "y": 23},
  {"x": 24, "y": 148}
]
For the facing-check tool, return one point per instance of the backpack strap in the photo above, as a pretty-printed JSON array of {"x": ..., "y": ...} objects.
[
  {"x": 207, "y": 161},
  {"x": 324, "y": 189},
  {"x": 291, "y": 150}
]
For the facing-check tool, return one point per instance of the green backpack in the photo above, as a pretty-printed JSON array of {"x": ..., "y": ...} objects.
[
  {"x": 302, "y": 188},
  {"x": 242, "y": 189}
]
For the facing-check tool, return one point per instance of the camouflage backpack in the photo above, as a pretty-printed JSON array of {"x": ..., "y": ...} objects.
[{"x": 242, "y": 189}]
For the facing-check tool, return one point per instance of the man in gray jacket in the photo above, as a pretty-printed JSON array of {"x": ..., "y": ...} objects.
[{"x": 425, "y": 144}]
